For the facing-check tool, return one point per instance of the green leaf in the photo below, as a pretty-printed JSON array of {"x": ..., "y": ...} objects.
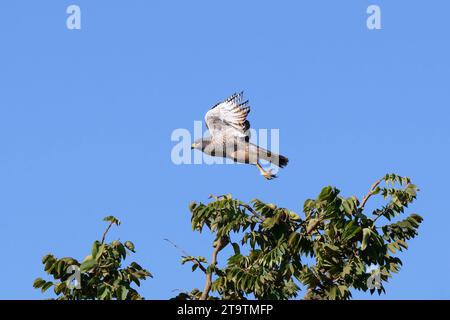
[
  {"x": 121, "y": 250},
  {"x": 308, "y": 205},
  {"x": 60, "y": 265},
  {"x": 332, "y": 293},
  {"x": 105, "y": 295},
  {"x": 328, "y": 194},
  {"x": 112, "y": 219},
  {"x": 293, "y": 239},
  {"x": 49, "y": 264},
  {"x": 351, "y": 229},
  {"x": 97, "y": 250},
  {"x": 47, "y": 257},
  {"x": 46, "y": 286},
  {"x": 342, "y": 290},
  {"x": 366, "y": 235},
  {"x": 39, "y": 282},
  {"x": 346, "y": 270},
  {"x": 236, "y": 248},
  {"x": 270, "y": 222},
  {"x": 87, "y": 265},
  {"x": 294, "y": 216},
  {"x": 100, "y": 251},
  {"x": 121, "y": 293},
  {"x": 59, "y": 287},
  {"x": 347, "y": 207},
  {"x": 129, "y": 245}
]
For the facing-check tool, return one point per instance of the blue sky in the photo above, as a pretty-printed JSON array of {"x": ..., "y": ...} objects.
[{"x": 86, "y": 118}]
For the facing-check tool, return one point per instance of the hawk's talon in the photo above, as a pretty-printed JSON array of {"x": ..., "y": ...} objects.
[
  {"x": 266, "y": 174},
  {"x": 269, "y": 175}
]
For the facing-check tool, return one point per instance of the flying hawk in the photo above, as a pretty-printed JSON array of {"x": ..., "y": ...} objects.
[{"x": 229, "y": 136}]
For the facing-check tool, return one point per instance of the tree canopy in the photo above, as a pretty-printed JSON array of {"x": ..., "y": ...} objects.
[
  {"x": 333, "y": 247},
  {"x": 99, "y": 276}
]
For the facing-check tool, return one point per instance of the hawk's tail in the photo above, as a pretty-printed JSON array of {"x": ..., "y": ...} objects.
[{"x": 274, "y": 158}]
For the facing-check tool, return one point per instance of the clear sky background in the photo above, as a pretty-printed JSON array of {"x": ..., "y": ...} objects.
[{"x": 86, "y": 118}]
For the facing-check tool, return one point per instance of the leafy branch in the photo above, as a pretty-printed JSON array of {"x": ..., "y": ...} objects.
[
  {"x": 336, "y": 232},
  {"x": 99, "y": 276}
]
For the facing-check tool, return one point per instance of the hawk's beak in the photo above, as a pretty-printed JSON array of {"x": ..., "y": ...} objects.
[{"x": 192, "y": 146}]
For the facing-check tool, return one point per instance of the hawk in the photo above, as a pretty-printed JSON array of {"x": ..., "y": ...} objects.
[{"x": 229, "y": 136}]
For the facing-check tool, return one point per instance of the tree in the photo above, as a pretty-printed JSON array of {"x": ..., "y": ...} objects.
[
  {"x": 329, "y": 251},
  {"x": 98, "y": 276},
  {"x": 335, "y": 248}
]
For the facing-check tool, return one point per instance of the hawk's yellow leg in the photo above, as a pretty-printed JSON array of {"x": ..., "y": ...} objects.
[{"x": 266, "y": 174}]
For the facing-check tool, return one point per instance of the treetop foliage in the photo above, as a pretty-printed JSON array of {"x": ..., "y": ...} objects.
[
  {"x": 335, "y": 246},
  {"x": 329, "y": 250},
  {"x": 99, "y": 276}
]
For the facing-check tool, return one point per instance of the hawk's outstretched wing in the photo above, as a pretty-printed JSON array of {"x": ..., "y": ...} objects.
[{"x": 228, "y": 119}]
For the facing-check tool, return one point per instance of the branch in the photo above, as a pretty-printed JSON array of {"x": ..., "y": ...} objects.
[
  {"x": 246, "y": 206},
  {"x": 369, "y": 194},
  {"x": 313, "y": 226},
  {"x": 106, "y": 231},
  {"x": 200, "y": 265},
  {"x": 221, "y": 243},
  {"x": 188, "y": 255}
]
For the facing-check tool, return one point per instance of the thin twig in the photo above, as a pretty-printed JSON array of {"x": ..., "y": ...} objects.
[
  {"x": 369, "y": 194},
  {"x": 246, "y": 206},
  {"x": 106, "y": 231},
  {"x": 187, "y": 255}
]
